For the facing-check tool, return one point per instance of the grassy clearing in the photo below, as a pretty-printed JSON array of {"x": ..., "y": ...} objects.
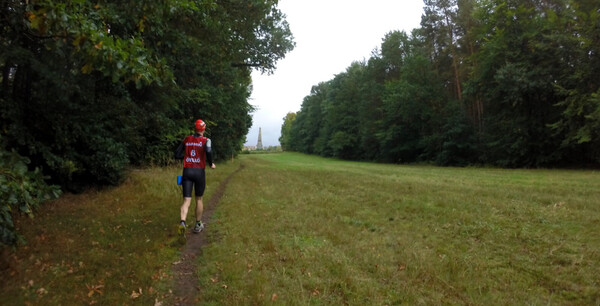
[
  {"x": 305, "y": 230},
  {"x": 296, "y": 229},
  {"x": 110, "y": 247}
]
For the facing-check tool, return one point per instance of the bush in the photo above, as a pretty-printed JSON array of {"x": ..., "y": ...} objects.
[{"x": 20, "y": 190}]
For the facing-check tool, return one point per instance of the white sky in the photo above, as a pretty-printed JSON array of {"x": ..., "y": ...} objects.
[{"x": 329, "y": 36}]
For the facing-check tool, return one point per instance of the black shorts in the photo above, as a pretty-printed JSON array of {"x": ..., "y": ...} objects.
[{"x": 193, "y": 178}]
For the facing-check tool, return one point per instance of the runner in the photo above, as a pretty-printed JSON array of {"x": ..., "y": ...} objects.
[{"x": 196, "y": 152}]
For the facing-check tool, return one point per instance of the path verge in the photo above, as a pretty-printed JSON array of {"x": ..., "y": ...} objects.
[{"x": 184, "y": 270}]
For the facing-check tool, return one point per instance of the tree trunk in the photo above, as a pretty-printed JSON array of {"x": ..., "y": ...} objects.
[{"x": 454, "y": 61}]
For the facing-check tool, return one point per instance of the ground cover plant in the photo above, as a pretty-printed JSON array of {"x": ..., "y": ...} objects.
[{"x": 299, "y": 229}]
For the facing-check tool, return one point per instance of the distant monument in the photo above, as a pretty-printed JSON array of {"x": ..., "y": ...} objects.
[{"x": 259, "y": 144}]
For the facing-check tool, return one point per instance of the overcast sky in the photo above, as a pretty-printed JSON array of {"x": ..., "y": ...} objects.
[{"x": 329, "y": 36}]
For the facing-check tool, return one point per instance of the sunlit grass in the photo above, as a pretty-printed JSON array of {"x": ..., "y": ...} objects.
[
  {"x": 112, "y": 247},
  {"x": 300, "y": 229}
]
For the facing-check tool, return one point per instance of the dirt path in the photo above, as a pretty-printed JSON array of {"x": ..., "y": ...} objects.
[{"x": 186, "y": 280}]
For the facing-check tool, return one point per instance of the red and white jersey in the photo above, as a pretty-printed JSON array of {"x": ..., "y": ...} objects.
[{"x": 195, "y": 151}]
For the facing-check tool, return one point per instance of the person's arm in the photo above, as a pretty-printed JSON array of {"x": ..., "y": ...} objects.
[
  {"x": 209, "y": 157},
  {"x": 180, "y": 152}
]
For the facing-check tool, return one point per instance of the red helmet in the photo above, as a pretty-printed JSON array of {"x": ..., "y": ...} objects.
[{"x": 200, "y": 125}]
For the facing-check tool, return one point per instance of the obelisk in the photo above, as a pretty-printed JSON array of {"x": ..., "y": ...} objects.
[{"x": 259, "y": 144}]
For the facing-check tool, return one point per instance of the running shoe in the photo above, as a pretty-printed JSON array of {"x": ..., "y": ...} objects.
[
  {"x": 181, "y": 230},
  {"x": 199, "y": 227}
]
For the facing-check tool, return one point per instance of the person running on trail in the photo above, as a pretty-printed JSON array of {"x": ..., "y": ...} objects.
[{"x": 196, "y": 152}]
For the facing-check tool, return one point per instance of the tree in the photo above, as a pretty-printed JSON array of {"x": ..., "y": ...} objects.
[
  {"x": 344, "y": 121},
  {"x": 410, "y": 104},
  {"x": 517, "y": 67},
  {"x": 438, "y": 26},
  {"x": 305, "y": 133},
  {"x": 286, "y": 130},
  {"x": 576, "y": 32},
  {"x": 90, "y": 87},
  {"x": 503, "y": 82}
]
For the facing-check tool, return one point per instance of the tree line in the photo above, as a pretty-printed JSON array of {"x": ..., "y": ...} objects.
[
  {"x": 506, "y": 83},
  {"x": 89, "y": 88}
]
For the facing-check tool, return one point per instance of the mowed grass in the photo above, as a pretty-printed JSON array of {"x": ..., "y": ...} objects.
[
  {"x": 114, "y": 246},
  {"x": 295, "y": 229}
]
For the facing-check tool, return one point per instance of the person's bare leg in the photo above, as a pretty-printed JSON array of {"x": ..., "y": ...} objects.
[
  {"x": 199, "y": 209},
  {"x": 185, "y": 207}
]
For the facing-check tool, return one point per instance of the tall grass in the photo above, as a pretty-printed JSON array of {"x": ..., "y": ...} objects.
[{"x": 305, "y": 230}]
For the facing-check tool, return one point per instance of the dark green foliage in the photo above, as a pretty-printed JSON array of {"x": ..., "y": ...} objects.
[
  {"x": 516, "y": 76},
  {"x": 508, "y": 83},
  {"x": 454, "y": 143},
  {"x": 21, "y": 191},
  {"x": 305, "y": 134},
  {"x": 91, "y": 87},
  {"x": 286, "y": 130}
]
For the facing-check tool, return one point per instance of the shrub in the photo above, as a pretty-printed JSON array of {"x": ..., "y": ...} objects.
[{"x": 21, "y": 190}]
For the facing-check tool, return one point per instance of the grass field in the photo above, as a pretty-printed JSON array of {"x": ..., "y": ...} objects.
[
  {"x": 296, "y": 229},
  {"x": 115, "y": 246}
]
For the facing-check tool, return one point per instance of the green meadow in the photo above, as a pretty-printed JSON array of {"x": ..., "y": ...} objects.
[{"x": 294, "y": 229}]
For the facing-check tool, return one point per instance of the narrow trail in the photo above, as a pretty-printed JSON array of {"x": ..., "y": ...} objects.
[{"x": 184, "y": 270}]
